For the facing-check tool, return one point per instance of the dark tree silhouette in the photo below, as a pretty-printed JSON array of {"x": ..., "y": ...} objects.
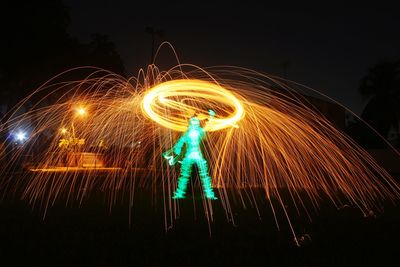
[
  {"x": 36, "y": 46},
  {"x": 382, "y": 87},
  {"x": 103, "y": 54}
]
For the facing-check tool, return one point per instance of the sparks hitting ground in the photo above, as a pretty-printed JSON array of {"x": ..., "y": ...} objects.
[{"x": 263, "y": 136}]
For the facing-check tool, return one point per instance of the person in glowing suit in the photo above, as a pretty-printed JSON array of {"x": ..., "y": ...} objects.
[{"x": 192, "y": 138}]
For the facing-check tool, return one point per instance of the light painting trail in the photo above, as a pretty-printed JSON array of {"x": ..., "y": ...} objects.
[
  {"x": 263, "y": 140},
  {"x": 166, "y": 96}
]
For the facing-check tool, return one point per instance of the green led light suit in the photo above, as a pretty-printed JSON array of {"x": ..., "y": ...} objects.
[{"x": 192, "y": 139}]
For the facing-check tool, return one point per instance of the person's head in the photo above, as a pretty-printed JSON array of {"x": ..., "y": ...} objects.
[{"x": 194, "y": 122}]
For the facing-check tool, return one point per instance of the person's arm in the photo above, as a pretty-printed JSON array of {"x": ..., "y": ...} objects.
[
  {"x": 211, "y": 114},
  {"x": 179, "y": 144},
  {"x": 176, "y": 149}
]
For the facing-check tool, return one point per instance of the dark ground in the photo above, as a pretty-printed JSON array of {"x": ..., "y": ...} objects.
[{"x": 91, "y": 235}]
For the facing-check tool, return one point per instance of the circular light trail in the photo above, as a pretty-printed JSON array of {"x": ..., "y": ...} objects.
[{"x": 171, "y": 103}]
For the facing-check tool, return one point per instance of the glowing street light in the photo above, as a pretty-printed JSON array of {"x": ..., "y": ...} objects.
[
  {"x": 81, "y": 111},
  {"x": 20, "y": 136}
]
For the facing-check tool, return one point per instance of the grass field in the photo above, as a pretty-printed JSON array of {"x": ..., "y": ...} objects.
[{"x": 92, "y": 235}]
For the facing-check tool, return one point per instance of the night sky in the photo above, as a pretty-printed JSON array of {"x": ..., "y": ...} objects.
[{"x": 326, "y": 47}]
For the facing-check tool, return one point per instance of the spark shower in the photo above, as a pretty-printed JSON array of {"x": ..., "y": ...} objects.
[{"x": 264, "y": 137}]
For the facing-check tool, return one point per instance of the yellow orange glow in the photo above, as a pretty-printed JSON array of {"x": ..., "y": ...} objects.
[
  {"x": 74, "y": 169},
  {"x": 81, "y": 111},
  {"x": 171, "y": 104}
]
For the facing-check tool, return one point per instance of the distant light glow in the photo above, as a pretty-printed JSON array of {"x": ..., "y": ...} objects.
[
  {"x": 75, "y": 169},
  {"x": 21, "y": 136},
  {"x": 81, "y": 111},
  {"x": 63, "y": 130}
]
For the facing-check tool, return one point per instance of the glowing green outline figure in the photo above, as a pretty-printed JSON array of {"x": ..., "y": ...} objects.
[{"x": 192, "y": 138}]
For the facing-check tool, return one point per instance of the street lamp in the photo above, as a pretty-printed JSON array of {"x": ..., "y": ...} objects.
[
  {"x": 154, "y": 33},
  {"x": 81, "y": 112}
]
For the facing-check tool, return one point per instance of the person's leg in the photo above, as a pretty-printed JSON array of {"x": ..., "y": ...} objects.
[
  {"x": 205, "y": 178},
  {"x": 186, "y": 170}
]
